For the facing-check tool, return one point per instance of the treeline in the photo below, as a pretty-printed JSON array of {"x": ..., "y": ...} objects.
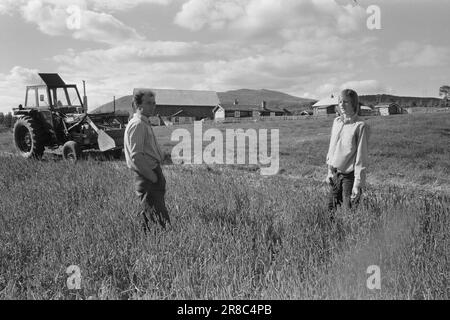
[
  {"x": 7, "y": 120},
  {"x": 424, "y": 102}
]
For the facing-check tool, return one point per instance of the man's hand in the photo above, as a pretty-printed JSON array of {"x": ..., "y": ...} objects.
[
  {"x": 152, "y": 176},
  {"x": 143, "y": 166},
  {"x": 329, "y": 178},
  {"x": 356, "y": 192}
]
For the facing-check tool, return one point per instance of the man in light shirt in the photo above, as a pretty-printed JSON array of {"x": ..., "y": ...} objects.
[
  {"x": 347, "y": 156},
  {"x": 144, "y": 157}
]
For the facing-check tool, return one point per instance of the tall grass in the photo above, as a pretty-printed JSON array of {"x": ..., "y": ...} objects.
[{"x": 235, "y": 235}]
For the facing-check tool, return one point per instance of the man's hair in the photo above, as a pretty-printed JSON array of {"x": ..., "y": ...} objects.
[
  {"x": 138, "y": 95},
  {"x": 353, "y": 98}
]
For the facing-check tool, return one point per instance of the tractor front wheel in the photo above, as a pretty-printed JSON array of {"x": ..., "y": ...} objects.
[
  {"x": 71, "y": 151},
  {"x": 28, "y": 138}
]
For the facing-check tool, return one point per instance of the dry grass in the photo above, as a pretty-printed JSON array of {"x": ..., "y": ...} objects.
[{"x": 236, "y": 235}]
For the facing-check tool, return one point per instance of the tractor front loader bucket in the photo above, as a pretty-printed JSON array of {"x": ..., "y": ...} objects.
[{"x": 108, "y": 138}]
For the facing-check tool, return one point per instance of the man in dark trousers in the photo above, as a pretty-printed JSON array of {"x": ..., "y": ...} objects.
[{"x": 144, "y": 157}]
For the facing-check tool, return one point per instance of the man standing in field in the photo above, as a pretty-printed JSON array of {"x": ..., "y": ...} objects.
[
  {"x": 144, "y": 157},
  {"x": 347, "y": 156}
]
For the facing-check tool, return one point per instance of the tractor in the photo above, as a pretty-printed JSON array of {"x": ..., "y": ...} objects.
[{"x": 55, "y": 119}]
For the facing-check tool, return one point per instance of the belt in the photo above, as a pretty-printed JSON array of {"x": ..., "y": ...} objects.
[{"x": 336, "y": 171}]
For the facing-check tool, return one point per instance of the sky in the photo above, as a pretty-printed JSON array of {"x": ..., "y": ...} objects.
[{"x": 307, "y": 48}]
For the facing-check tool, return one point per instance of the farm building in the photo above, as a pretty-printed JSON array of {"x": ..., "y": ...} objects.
[
  {"x": 388, "y": 109},
  {"x": 181, "y": 104},
  {"x": 328, "y": 106},
  {"x": 325, "y": 106},
  {"x": 240, "y": 111},
  {"x": 307, "y": 113},
  {"x": 367, "y": 111},
  {"x": 237, "y": 110},
  {"x": 176, "y": 106}
]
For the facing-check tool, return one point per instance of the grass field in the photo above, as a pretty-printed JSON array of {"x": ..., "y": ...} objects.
[{"x": 235, "y": 233}]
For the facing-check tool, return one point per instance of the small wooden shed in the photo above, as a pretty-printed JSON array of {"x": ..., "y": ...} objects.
[
  {"x": 388, "y": 109},
  {"x": 325, "y": 106}
]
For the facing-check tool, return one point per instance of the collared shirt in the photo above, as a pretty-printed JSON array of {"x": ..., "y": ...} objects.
[
  {"x": 140, "y": 138},
  {"x": 348, "y": 149}
]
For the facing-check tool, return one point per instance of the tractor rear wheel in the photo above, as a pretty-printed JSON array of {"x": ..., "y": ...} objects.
[
  {"x": 29, "y": 138},
  {"x": 71, "y": 151}
]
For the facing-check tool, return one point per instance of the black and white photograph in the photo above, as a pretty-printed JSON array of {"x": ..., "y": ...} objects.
[{"x": 226, "y": 156}]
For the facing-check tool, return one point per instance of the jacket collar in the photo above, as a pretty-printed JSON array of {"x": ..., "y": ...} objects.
[
  {"x": 346, "y": 120},
  {"x": 142, "y": 117}
]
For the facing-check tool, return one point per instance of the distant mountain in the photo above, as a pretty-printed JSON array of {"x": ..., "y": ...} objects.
[
  {"x": 274, "y": 99},
  {"x": 123, "y": 105}
]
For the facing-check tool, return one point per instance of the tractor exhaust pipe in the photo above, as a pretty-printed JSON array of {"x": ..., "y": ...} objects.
[{"x": 85, "y": 101}]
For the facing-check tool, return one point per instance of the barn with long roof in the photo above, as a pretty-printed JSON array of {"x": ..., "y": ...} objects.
[{"x": 175, "y": 104}]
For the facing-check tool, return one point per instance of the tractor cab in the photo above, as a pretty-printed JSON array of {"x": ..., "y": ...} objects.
[{"x": 54, "y": 95}]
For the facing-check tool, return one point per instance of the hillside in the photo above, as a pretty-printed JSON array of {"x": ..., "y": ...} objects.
[
  {"x": 274, "y": 99},
  {"x": 123, "y": 105}
]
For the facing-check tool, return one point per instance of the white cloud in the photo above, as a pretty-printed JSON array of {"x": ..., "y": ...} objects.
[
  {"x": 21, "y": 75},
  {"x": 101, "y": 27},
  {"x": 9, "y": 6},
  {"x": 13, "y": 84},
  {"x": 121, "y": 5},
  {"x": 104, "y": 27},
  {"x": 268, "y": 16},
  {"x": 146, "y": 52},
  {"x": 296, "y": 66},
  {"x": 413, "y": 54},
  {"x": 196, "y": 14},
  {"x": 51, "y": 17}
]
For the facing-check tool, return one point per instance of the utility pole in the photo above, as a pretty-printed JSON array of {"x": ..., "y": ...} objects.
[{"x": 114, "y": 104}]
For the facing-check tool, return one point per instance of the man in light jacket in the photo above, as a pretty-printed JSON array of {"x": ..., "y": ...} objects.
[{"x": 144, "y": 157}]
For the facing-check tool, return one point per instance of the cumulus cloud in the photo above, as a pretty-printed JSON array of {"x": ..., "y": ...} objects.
[
  {"x": 307, "y": 46},
  {"x": 146, "y": 52},
  {"x": 93, "y": 26},
  {"x": 121, "y": 5},
  {"x": 9, "y": 6},
  {"x": 52, "y": 17},
  {"x": 22, "y": 75},
  {"x": 295, "y": 66},
  {"x": 262, "y": 16},
  {"x": 413, "y": 54},
  {"x": 196, "y": 14},
  {"x": 12, "y": 86}
]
